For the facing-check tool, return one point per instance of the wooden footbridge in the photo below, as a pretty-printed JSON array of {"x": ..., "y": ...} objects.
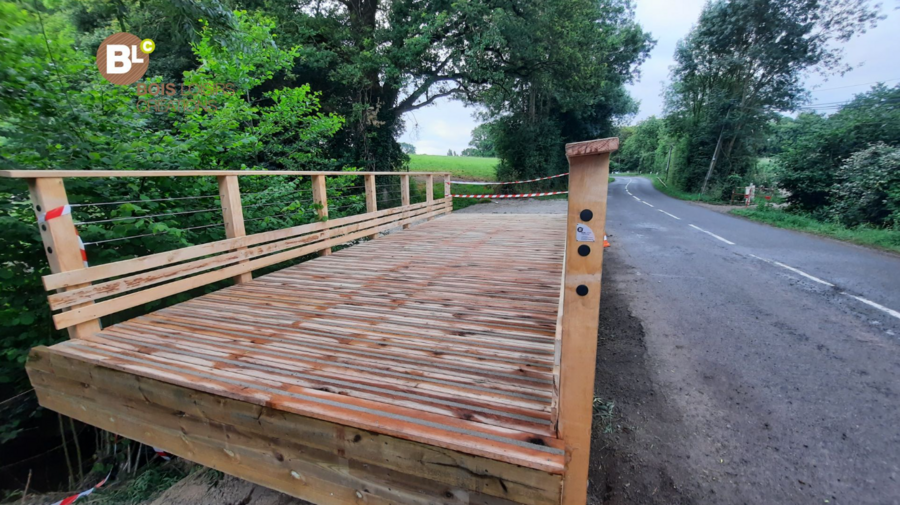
[{"x": 450, "y": 362}]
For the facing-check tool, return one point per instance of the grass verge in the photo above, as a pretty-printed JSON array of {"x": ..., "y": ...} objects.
[
  {"x": 874, "y": 237},
  {"x": 464, "y": 167}
]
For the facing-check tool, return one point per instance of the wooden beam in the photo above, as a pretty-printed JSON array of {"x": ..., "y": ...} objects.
[
  {"x": 429, "y": 191},
  {"x": 63, "y": 174},
  {"x": 404, "y": 194},
  {"x": 586, "y": 221},
  {"x": 233, "y": 215},
  {"x": 60, "y": 238},
  {"x": 320, "y": 196},
  {"x": 447, "y": 187},
  {"x": 316, "y": 460},
  {"x": 371, "y": 198}
]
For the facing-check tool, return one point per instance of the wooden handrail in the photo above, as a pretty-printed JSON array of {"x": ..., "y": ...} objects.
[
  {"x": 43, "y": 174},
  {"x": 172, "y": 272},
  {"x": 580, "y": 307}
]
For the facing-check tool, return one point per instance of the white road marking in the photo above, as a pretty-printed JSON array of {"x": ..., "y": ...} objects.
[
  {"x": 670, "y": 215},
  {"x": 645, "y": 203},
  {"x": 873, "y": 304},
  {"x": 713, "y": 235},
  {"x": 636, "y": 198},
  {"x": 792, "y": 269}
]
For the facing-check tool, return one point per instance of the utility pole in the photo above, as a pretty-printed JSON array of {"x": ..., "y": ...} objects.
[
  {"x": 668, "y": 160},
  {"x": 712, "y": 164}
]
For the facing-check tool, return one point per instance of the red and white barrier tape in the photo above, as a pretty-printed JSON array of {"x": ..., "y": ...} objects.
[
  {"x": 521, "y": 195},
  {"x": 511, "y": 182},
  {"x": 74, "y": 498},
  {"x": 162, "y": 454},
  {"x": 54, "y": 213}
]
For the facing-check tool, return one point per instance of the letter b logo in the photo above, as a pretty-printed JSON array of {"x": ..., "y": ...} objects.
[{"x": 120, "y": 59}]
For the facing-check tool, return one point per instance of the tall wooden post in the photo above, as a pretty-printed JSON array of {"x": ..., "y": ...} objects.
[
  {"x": 233, "y": 215},
  {"x": 320, "y": 197},
  {"x": 371, "y": 199},
  {"x": 586, "y": 221},
  {"x": 447, "y": 186},
  {"x": 404, "y": 196},
  {"x": 60, "y": 238},
  {"x": 429, "y": 193}
]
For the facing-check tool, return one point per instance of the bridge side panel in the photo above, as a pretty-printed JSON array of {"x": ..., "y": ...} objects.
[{"x": 319, "y": 461}]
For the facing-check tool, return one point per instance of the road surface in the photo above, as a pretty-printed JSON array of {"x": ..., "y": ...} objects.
[{"x": 769, "y": 367}]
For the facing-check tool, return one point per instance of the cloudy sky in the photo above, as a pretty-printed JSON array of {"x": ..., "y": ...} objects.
[{"x": 448, "y": 124}]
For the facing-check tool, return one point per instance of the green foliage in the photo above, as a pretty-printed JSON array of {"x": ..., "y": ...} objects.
[
  {"x": 863, "y": 235},
  {"x": 482, "y": 143},
  {"x": 151, "y": 481},
  {"x": 408, "y": 148},
  {"x": 868, "y": 188},
  {"x": 813, "y": 147}
]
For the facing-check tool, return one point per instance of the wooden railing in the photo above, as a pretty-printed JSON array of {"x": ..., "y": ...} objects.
[{"x": 85, "y": 294}]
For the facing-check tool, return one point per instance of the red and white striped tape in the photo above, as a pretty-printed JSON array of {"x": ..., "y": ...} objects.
[
  {"x": 162, "y": 454},
  {"x": 74, "y": 498},
  {"x": 520, "y": 195},
  {"x": 54, "y": 213},
  {"x": 83, "y": 250},
  {"x": 511, "y": 182}
]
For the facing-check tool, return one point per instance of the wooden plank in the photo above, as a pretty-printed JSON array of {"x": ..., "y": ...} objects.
[
  {"x": 592, "y": 147},
  {"x": 371, "y": 199},
  {"x": 233, "y": 215},
  {"x": 60, "y": 239},
  {"x": 56, "y": 174},
  {"x": 82, "y": 314},
  {"x": 404, "y": 194},
  {"x": 320, "y": 197},
  {"x": 125, "y": 267},
  {"x": 588, "y": 181},
  {"x": 305, "y": 457},
  {"x": 448, "y": 189}
]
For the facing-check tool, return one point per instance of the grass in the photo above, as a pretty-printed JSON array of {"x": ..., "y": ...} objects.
[
  {"x": 867, "y": 236},
  {"x": 604, "y": 415},
  {"x": 152, "y": 481},
  {"x": 463, "y": 167}
]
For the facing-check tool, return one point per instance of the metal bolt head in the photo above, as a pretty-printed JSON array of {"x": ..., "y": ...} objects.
[
  {"x": 584, "y": 250},
  {"x": 582, "y": 290},
  {"x": 587, "y": 215}
]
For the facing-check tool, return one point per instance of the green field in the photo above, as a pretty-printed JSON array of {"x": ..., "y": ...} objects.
[{"x": 462, "y": 167}]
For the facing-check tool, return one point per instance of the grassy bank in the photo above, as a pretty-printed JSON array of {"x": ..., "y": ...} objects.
[
  {"x": 873, "y": 237},
  {"x": 463, "y": 167}
]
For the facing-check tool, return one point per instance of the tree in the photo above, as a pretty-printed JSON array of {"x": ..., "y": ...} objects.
[
  {"x": 868, "y": 188},
  {"x": 482, "y": 143},
  {"x": 814, "y": 146},
  {"x": 407, "y": 148},
  {"x": 744, "y": 61}
]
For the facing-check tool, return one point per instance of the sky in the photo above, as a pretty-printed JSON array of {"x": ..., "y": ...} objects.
[{"x": 448, "y": 123}]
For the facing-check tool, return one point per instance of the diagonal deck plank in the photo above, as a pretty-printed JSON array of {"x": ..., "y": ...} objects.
[{"x": 442, "y": 334}]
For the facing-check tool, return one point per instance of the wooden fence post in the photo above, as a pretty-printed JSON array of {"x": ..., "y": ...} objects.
[
  {"x": 404, "y": 196},
  {"x": 371, "y": 199},
  {"x": 233, "y": 215},
  {"x": 61, "y": 243},
  {"x": 586, "y": 221},
  {"x": 447, "y": 189},
  {"x": 320, "y": 196},
  {"x": 429, "y": 193}
]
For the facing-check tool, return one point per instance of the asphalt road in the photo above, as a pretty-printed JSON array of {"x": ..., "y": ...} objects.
[{"x": 775, "y": 354}]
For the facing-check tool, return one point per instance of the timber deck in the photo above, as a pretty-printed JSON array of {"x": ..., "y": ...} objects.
[{"x": 442, "y": 334}]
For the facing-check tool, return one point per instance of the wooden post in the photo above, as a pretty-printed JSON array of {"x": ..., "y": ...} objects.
[
  {"x": 61, "y": 244},
  {"x": 320, "y": 196},
  {"x": 404, "y": 195},
  {"x": 371, "y": 199},
  {"x": 588, "y": 180},
  {"x": 429, "y": 193},
  {"x": 233, "y": 215},
  {"x": 447, "y": 189}
]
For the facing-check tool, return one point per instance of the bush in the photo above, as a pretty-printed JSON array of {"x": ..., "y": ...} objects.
[{"x": 868, "y": 188}]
